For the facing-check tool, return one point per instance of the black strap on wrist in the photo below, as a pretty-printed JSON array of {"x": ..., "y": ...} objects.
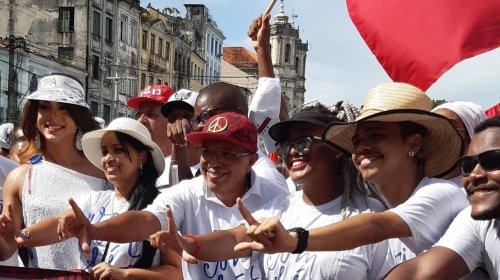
[{"x": 303, "y": 236}]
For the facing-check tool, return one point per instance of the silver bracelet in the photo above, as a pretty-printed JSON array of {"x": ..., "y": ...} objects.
[{"x": 27, "y": 237}]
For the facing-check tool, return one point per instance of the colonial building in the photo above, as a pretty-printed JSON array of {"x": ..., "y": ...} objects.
[
  {"x": 157, "y": 49},
  {"x": 99, "y": 37},
  {"x": 113, "y": 51},
  {"x": 55, "y": 37},
  {"x": 197, "y": 66},
  {"x": 208, "y": 40},
  {"x": 289, "y": 55}
]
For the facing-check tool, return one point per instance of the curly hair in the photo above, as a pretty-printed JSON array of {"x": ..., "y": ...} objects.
[{"x": 347, "y": 174}]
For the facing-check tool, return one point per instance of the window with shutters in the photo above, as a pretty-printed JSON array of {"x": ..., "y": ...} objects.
[{"x": 66, "y": 21}]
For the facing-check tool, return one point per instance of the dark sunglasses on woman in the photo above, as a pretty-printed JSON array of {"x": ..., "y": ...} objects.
[{"x": 302, "y": 146}]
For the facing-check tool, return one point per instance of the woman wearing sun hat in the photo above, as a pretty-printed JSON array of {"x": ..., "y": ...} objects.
[
  {"x": 397, "y": 144},
  {"x": 55, "y": 169},
  {"x": 132, "y": 162}
]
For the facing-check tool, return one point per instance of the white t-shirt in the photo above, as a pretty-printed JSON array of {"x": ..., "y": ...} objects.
[
  {"x": 6, "y": 165},
  {"x": 164, "y": 178},
  {"x": 365, "y": 262},
  {"x": 428, "y": 213},
  {"x": 100, "y": 206},
  {"x": 197, "y": 210},
  {"x": 264, "y": 110},
  {"x": 477, "y": 242}
]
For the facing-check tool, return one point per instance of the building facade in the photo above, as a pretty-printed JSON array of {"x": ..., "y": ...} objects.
[
  {"x": 112, "y": 55},
  {"x": 156, "y": 49},
  {"x": 208, "y": 41},
  {"x": 99, "y": 37}
]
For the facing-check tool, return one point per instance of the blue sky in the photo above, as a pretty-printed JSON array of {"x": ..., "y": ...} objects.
[{"x": 339, "y": 65}]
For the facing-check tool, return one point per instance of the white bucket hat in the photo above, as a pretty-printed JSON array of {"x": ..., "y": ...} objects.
[
  {"x": 59, "y": 88},
  {"x": 91, "y": 141}
]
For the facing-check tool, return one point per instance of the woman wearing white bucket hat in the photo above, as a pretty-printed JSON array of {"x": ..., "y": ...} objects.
[
  {"x": 397, "y": 144},
  {"x": 132, "y": 162},
  {"x": 54, "y": 167}
]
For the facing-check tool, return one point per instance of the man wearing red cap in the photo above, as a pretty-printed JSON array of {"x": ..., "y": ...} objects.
[
  {"x": 148, "y": 106},
  {"x": 228, "y": 146}
]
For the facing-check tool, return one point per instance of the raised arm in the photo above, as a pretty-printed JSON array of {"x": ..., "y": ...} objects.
[
  {"x": 176, "y": 132},
  {"x": 265, "y": 105}
]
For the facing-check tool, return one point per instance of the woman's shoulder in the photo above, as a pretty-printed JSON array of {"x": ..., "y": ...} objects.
[{"x": 16, "y": 177}]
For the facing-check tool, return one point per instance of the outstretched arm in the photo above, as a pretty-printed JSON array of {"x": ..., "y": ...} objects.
[
  {"x": 127, "y": 227},
  {"x": 351, "y": 233},
  {"x": 436, "y": 263},
  {"x": 213, "y": 246},
  {"x": 170, "y": 268}
]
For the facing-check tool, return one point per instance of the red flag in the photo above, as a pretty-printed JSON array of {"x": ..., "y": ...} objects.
[
  {"x": 493, "y": 111},
  {"x": 417, "y": 41}
]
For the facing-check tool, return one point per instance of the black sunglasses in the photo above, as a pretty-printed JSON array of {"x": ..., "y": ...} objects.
[
  {"x": 302, "y": 146},
  {"x": 489, "y": 161},
  {"x": 205, "y": 115}
]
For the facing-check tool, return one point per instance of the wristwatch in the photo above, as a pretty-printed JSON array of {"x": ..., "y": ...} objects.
[{"x": 303, "y": 236}]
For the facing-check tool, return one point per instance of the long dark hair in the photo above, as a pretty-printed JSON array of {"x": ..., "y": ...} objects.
[
  {"x": 144, "y": 192},
  {"x": 81, "y": 116}
]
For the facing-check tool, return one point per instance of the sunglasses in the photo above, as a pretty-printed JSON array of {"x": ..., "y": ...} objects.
[
  {"x": 302, "y": 146},
  {"x": 489, "y": 161},
  {"x": 207, "y": 114},
  {"x": 224, "y": 156}
]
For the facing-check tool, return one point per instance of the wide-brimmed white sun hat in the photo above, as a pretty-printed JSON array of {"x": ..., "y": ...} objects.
[
  {"x": 399, "y": 102},
  {"x": 91, "y": 141},
  {"x": 60, "y": 88}
]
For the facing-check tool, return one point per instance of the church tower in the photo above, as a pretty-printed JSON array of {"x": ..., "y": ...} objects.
[{"x": 289, "y": 58}]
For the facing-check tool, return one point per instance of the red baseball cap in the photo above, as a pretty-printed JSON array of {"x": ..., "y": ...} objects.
[
  {"x": 229, "y": 127},
  {"x": 155, "y": 93}
]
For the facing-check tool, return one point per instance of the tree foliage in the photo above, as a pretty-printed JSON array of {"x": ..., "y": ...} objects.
[
  {"x": 170, "y": 11},
  {"x": 437, "y": 102}
]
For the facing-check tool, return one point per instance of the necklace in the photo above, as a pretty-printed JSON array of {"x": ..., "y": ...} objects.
[{"x": 120, "y": 205}]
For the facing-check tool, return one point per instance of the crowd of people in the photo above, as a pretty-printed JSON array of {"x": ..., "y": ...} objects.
[{"x": 188, "y": 189}]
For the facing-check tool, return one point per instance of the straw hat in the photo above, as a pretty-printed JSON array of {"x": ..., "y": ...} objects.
[
  {"x": 398, "y": 102},
  {"x": 91, "y": 141}
]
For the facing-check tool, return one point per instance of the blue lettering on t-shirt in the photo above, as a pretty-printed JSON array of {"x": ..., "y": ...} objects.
[
  {"x": 282, "y": 264},
  {"x": 216, "y": 270},
  {"x": 401, "y": 256}
]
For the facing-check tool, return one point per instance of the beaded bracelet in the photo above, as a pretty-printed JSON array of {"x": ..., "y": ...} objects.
[{"x": 198, "y": 244}]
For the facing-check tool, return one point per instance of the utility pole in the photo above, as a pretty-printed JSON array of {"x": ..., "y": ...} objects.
[
  {"x": 12, "y": 42},
  {"x": 116, "y": 79}
]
